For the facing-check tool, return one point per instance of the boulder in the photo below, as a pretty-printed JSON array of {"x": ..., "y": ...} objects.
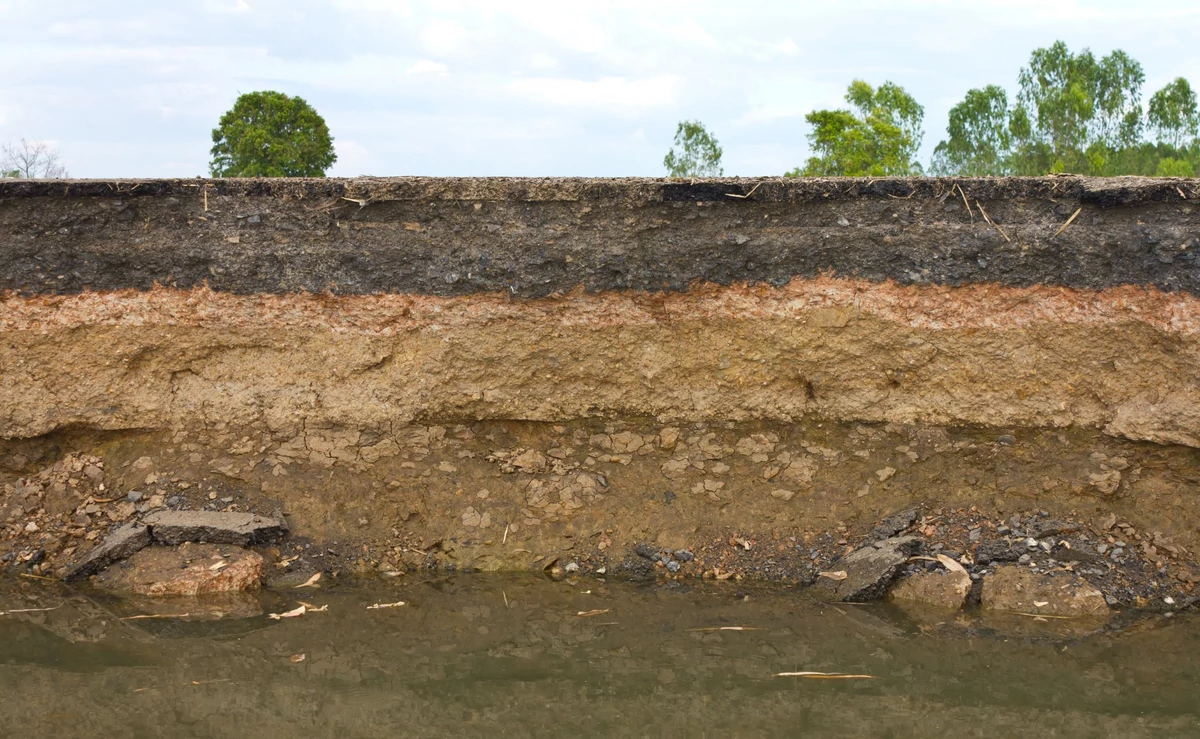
[
  {"x": 1020, "y": 590},
  {"x": 190, "y": 569},
  {"x": 866, "y": 573},
  {"x": 941, "y": 590},
  {"x": 241, "y": 529}
]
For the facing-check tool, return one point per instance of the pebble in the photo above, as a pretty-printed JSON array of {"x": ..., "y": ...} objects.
[
  {"x": 1006, "y": 439},
  {"x": 1002, "y": 530},
  {"x": 684, "y": 555},
  {"x": 1101, "y": 548},
  {"x": 673, "y": 566},
  {"x": 571, "y": 567},
  {"x": 174, "y": 501},
  {"x": 1031, "y": 543},
  {"x": 1116, "y": 554},
  {"x": 974, "y": 534},
  {"x": 1025, "y": 559},
  {"x": 1110, "y": 600},
  {"x": 133, "y": 496}
]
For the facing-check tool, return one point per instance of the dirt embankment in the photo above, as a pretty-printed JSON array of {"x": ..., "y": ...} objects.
[{"x": 506, "y": 373}]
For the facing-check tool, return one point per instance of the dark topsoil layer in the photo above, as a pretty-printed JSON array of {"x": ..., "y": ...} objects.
[{"x": 533, "y": 237}]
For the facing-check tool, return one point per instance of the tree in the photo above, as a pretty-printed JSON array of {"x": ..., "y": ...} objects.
[
  {"x": 1073, "y": 113},
  {"x": 980, "y": 138},
  {"x": 695, "y": 153},
  {"x": 1074, "y": 110},
  {"x": 879, "y": 137},
  {"x": 269, "y": 134},
  {"x": 1173, "y": 115},
  {"x": 31, "y": 159}
]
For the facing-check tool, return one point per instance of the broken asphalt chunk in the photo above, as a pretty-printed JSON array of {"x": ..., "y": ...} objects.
[{"x": 242, "y": 529}]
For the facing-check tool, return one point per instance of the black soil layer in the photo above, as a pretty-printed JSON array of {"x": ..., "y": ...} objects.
[{"x": 534, "y": 237}]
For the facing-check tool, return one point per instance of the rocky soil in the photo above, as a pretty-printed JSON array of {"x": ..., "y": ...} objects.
[{"x": 637, "y": 499}]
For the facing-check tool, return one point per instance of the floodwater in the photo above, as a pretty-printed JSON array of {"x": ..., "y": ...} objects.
[{"x": 483, "y": 656}]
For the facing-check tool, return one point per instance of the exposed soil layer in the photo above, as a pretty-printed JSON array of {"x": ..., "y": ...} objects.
[
  {"x": 755, "y": 501},
  {"x": 1123, "y": 360},
  {"x": 731, "y": 378},
  {"x": 533, "y": 237}
]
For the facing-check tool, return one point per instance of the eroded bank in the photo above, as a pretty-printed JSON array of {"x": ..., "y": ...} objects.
[{"x": 524, "y": 373}]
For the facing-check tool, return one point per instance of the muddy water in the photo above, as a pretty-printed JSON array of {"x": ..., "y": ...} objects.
[{"x": 475, "y": 655}]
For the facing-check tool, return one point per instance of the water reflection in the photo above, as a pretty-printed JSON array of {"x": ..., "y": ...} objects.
[{"x": 514, "y": 656}]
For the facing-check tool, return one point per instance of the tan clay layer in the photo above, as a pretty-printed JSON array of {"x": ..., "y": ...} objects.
[{"x": 1123, "y": 360}]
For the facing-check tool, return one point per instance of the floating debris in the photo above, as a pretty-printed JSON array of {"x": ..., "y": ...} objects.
[
  {"x": 294, "y": 613},
  {"x": 377, "y": 606},
  {"x": 825, "y": 675}
]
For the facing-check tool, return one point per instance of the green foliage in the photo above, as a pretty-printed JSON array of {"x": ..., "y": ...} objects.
[
  {"x": 1082, "y": 109},
  {"x": 1172, "y": 113},
  {"x": 695, "y": 153},
  {"x": 269, "y": 134},
  {"x": 1073, "y": 113},
  {"x": 980, "y": 135},
  {"x": 878, "y": 137}
]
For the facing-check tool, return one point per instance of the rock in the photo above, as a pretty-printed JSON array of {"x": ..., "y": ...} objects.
[
  {"x": 121, "y": 543},
  {"x": 1013, "y": 588},
  {"x": 683, "y": 555},
  {"x": 896, "y": 523},
  {"x": 646, "y": 551},
  {"x": 941, "y": 589},
  {"x": 997, "y": 550},
  {"x": 869, "y": 570},
  {"x": 1042, "y": 529},
  {"x": 190, "y": 569},
  {"x": 241, "y": 529}
]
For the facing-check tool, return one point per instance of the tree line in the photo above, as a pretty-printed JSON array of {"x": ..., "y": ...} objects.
[{"x": 1073, "y": 113}]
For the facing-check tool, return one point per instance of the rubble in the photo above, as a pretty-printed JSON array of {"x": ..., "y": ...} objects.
[{"x": 242, "y": 529}]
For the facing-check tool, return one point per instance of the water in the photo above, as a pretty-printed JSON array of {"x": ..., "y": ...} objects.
[{"x": 511, "y": 656}]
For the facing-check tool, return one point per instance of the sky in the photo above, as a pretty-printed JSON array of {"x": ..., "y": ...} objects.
[{"x": 528, "y": 87}]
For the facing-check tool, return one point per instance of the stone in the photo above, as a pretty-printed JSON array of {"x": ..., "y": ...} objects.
[
  {"x": 997, "y": 550},
  {"x": 941, "y": 589},
  {"x": 1017, "y": 589},
  {"x": 869, "y": 570},
  {"x": 190, "y": 569},
  {"x": 175, "y": 527},
  {"x": 896, "y": 523},
  {"x": 121, "y": 543},
  {"x": 646, "y": 551}
]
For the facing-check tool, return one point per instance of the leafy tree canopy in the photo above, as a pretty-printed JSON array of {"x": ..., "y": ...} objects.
[
  {"x": 879, "y": 135},
  {"x": 1073, "y": 113},
  {"x": 695, "y": 153},
  {"x": 269, "y": 134},
  {"x": 1172, "y": 114}
]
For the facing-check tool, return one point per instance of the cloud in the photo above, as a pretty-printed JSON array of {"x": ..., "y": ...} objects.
[
  {"x": 427, "y": 67},
  {"x": 616, "y": 94},
  {"x": 227, "y": 7},
  {"x": 541, "y": 60},
  {"x": 443, "y": 38}
]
